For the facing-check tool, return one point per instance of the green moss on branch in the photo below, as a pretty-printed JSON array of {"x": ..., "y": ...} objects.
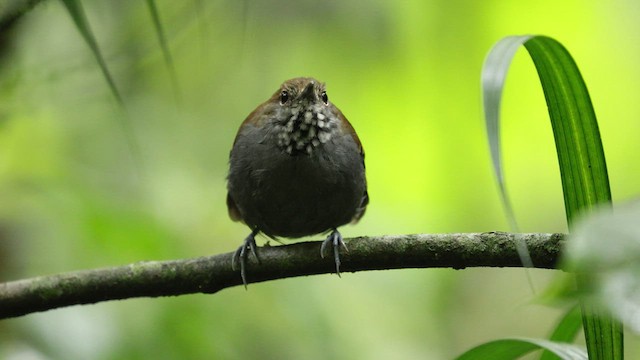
[{"x": 213, "y": 273}]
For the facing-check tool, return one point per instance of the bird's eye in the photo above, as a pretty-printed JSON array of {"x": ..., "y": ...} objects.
[
  {"x": 325, "y": 98},
  {"x": 284, "y": 97}
]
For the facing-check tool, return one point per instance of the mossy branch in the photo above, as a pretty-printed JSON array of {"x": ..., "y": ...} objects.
[{"x": 211, "y": 274}]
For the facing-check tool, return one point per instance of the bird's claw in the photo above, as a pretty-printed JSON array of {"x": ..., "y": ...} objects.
[
  {"x": 240, "y": 256},
  {"x": 335, "y": 240}
]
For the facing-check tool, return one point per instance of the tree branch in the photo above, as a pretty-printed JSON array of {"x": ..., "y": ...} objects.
[{"x": 213, "y": 273}]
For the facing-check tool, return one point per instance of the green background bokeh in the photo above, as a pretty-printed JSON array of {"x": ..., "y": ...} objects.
[{"x": 405, "y": 73}]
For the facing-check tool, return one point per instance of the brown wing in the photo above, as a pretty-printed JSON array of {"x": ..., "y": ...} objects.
[
  {"x": 362, "y": 208},
  {"x": 348, "y": 128},
  {"x": 234, "y": 213},
  {"x": 254, "y": 118}
]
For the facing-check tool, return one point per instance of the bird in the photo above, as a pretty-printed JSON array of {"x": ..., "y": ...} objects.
[{"x": 296, "y": 168}]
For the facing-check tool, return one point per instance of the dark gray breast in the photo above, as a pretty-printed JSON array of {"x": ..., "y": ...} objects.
[{"x": 290, "y": 181}]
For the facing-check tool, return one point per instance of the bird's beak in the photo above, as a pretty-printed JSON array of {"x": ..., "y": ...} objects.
[{"x": 309, "y": 91}]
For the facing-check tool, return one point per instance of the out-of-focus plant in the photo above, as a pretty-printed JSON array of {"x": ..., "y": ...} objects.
[{"x": 583, "y": 171}]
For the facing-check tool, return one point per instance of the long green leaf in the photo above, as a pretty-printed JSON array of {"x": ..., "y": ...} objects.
[
  {"x": 162, "y": 39},
  {"x": 494, "y": 75},
  {"x": 76, "y": 11},
  {"x": 565, "y": 331},
  {"x": 583, "y": 170},
  {"x": 509, "y": 349}
]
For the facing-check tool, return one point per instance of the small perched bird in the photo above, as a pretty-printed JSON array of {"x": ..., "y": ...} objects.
[{"x": 296, "y": 169}]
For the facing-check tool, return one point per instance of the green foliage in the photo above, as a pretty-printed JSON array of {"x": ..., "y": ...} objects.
[
  {"x": 508, "y": 349},
  {"x": 583, "y": 170},
  {"x": 566, "y": 330},
  {"x": 162, "y": 38},
  {"x": 79, "y": 17},
  {"x": 605, "y": 249},
  {"x": 76, "y": 11}
]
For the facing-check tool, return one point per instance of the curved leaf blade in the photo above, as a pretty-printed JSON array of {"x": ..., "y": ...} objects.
[
  {"x": 509, "y": 349},
  {"x": 566, "y": 330},
  {"x": 494, "y": 74},
  {"x": 79, "y": 17},
  {"x": 162, "y": 39},
  {"x": 583, "y": 170},
  {"x": 76, "y": 11}
]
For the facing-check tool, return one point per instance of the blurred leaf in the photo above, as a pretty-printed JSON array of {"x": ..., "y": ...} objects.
[
  {"x": 74, "y": 7},
  {"x": 613, "y": 265},
  {"x": 494, "y": 73},
  {"x": 76, "y": 11},
  {"x": 565, "y": 331},
  {"x": 155, "y": 16},
  {"x": 509, "y": 349},
  {"x": 583, "y": 170}
]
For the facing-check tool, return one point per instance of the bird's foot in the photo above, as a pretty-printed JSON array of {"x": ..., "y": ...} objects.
[
  {"x": 240, "y": 256},
  {"x": 335, "y": 240}
]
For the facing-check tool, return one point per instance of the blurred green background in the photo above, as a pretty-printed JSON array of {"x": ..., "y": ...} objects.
[{"x": 405, "y": 73}]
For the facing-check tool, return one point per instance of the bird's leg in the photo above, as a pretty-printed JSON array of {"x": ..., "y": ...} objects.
[
  {"x": 240, "y": 256},
  {"x": 335, "y": 240}
]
